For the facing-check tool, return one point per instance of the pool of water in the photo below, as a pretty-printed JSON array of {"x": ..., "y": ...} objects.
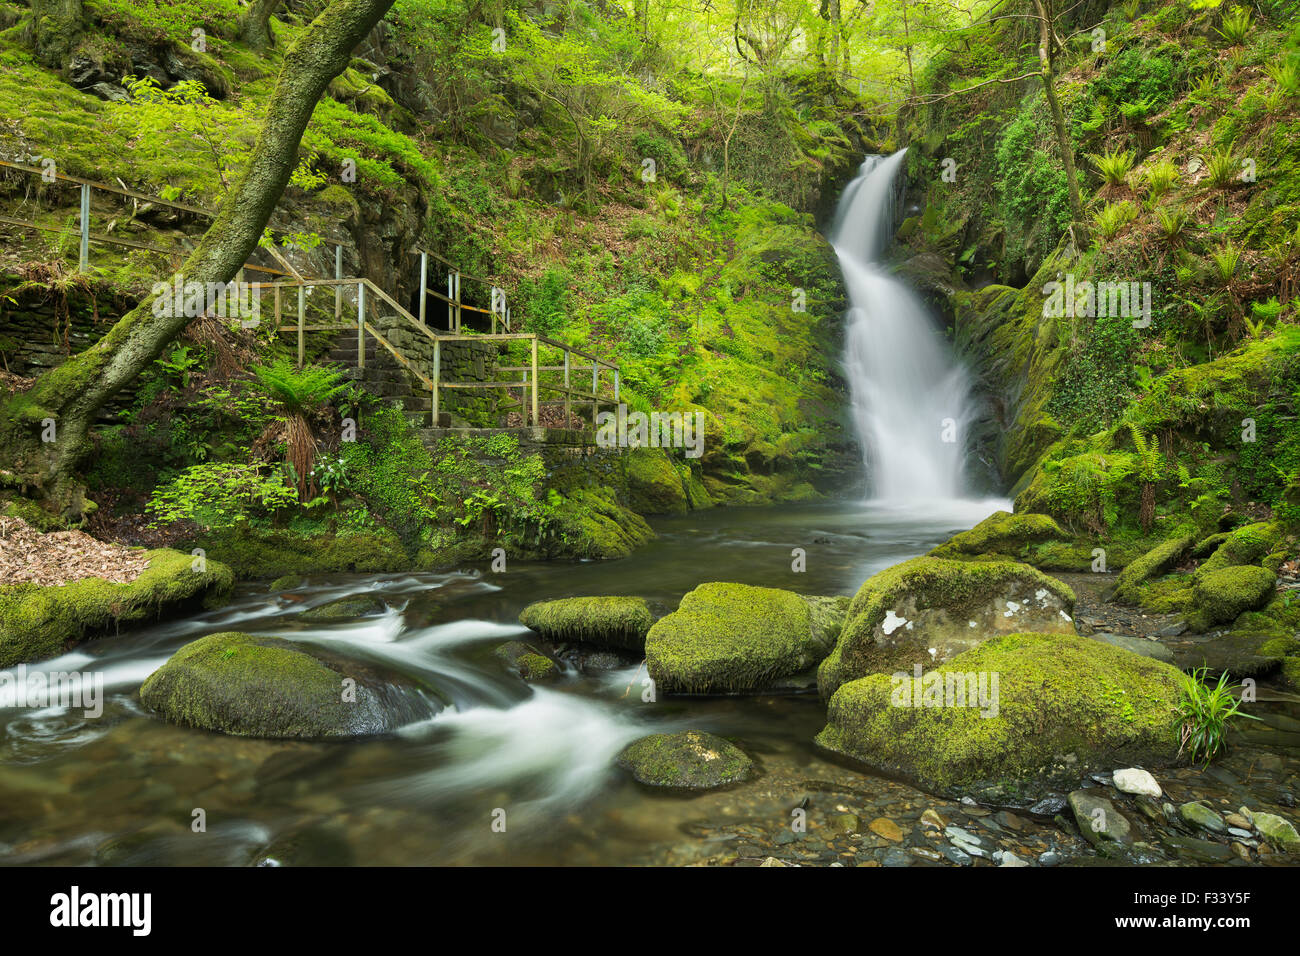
[{"x": 507, "y": 773}]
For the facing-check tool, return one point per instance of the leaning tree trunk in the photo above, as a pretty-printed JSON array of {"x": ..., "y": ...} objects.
[
  {"x": 255, "y": 28},
  {"x": 62, "y": 404},
  {"x": 1047, "y": 37}
]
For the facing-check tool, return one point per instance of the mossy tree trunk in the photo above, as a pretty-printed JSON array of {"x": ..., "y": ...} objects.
[
  {"x": 53, "y": 29},
  {"x": 1046, "y": 60},
  {"x": 255, "y": 28},
  {"x": 44, "y": 433}
]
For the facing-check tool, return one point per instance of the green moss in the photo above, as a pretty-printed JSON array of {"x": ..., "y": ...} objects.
[
  {"x": 1248, "y": 544},
  {"x": 613, "y": 621},
  {"x": 254, "y": 552},
  {"x": 258, "y": 687},
  {"x": 734, "y": 637},
  {"x": 653, "y": 483},
  {"x": 1219, "y": 596},
  {"x": 344, "y": 609},
  {"x": 1065, "y": 705},
  {"x": 1155, "y": 562},
  {"x": 1001, "y": 533},
  {"x": 40, "y": 622},
  {"x": 690, "y": 760},
  {"x": 956, "y": 587}
]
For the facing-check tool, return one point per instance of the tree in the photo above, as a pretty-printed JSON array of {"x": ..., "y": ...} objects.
[
  {"x": 255, "y": 25},
  {"x": 44, "y": 432},
  {"x": 1048, "y": 43}
]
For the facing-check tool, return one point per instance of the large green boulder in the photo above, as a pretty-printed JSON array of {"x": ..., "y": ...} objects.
[
  {"x": 609, "y": 621},
  {"x": 1012, "y": 719},
  {"x": 40, "y": 622},
  {"x": 654, "y": 486},
  {"x": 1155, "y": 562},
  {"x": 1249, "y": 544},
  {"x": 926, "y": 610},
  {"x": 735, "y": 637},
  {"x": 250, "y": 686},
  {"x": 1001, "y": 533},
  {"x": 1219, "y": 596},
  {"x": 691, "y": 760}
]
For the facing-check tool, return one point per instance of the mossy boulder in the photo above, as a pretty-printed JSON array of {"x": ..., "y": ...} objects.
[
  {"x": 1059, "y": 707},
  {"x": 40, "y": 622},
  {"x": 609, "y": 621},
  {"x": 691, "y": 760},
  {"x": 274, "y": 552},
  {"x": 654, "y": 486},
  {"x": 926, "y": 610},
  {"x": 1003, "y": 534},
  {"x": 1249, "y": 544},
  {"x": 344, "y": 609},
  {"x": 735, "y": 637},
  {"x": 1155, "y": 562},
  {"x": 250, "y": 686},
  {"x": 1219, "y": 596},
  {"x": 527, "y": 661}
]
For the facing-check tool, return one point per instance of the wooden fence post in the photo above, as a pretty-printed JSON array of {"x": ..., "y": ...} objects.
[
  {"x": 437, "y": 377},
  {"x": 595, "y": 393},
  {"x": 361, "y": 325},
  {"x": 424, "y": 284},
  {"x": 277, "y": 306},
  {"x": 338, "y": 289},
  {"x": 83, "y": 259},
  {"x": 302, "y": 316},
  {"x": 566, "y": 388},
  {"x": 535, "y": 420}
]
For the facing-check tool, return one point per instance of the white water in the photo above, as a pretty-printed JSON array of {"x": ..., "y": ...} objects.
[{"x": 911, "y": 400}]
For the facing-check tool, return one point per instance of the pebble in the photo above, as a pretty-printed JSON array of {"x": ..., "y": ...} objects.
[
  {"x": 886, "y": 828},
  {"x": 956, "y": 855},
  {"x": 1136, "y": 781},
  {"x": 1199, "y": 815},
  {"x": 931, "y": 820},
  {"x": 1050, "y": 858},
  {"x": 1007, "y": 858}
]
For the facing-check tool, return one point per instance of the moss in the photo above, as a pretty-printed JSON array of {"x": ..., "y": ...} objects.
[
  {"x": 260, "y": 687},
  {"x": 1001, "y": 533},
  {"x": 735, "y": 637},
  {"x": 613, "y": 621},
  {"x": 690, "y": 760},
  {"x": 958, "y": 589},
  {"x": 1065, "y": 705},
  {"x": 1155, "y": 562},
  {"x": 654, "y": 487},
  {"x": 287, "y": 582},
  {"x": 40, "y": 622},
  {"x": 1248, "y": 544},
  {"x": 270, "y": 552},
  {"x": 1219, "y": 596}
]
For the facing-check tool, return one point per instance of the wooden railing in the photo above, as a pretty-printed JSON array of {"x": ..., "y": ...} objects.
[
  {"x": 367, "y": 299},
  {"x": 538, "y": 379}
]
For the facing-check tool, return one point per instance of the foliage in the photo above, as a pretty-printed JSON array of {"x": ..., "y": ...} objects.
[{"x": 1205, "y": 712}]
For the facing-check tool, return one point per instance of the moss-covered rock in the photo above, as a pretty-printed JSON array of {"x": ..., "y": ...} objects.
[
  {"x": 610, "y": 621},
  {"x": 691, "y": 760},
  {"x": 1155, "y": 562},
  {"x": 39, "y": 622},
  {"x": 1062, "y": 706},
  {"x": 250, "y": 686},
  {"x": 1219, "y": 596},
  {"x": 735, "y": 637},
  {"x": 527, "y": 661},
  {"x": 926, "y": 610},
  {"x": 1001, "y": 533},
  {"x": 654, "y": 486},
  {"x": 1248, "y": 544},
  {"x": 345, "y": 609},
  {"x": 271, "y": 552}
]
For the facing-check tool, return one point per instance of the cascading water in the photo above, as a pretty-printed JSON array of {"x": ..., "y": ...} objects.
[{"x": 911, "y": 400}]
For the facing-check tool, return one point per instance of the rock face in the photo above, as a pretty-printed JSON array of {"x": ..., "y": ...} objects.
[
  {"x": 611, "y": 621},
  {"x": 927, "y": 610},
  {"x": 1219, "y": 596},
  {"x": 734, "y": 637},
  {"x": 1001, "y": 533},
  {"x": 1016, "y": 717},
  {"x": 252, "y": 686},
  {"x": 691, "y": 760}
]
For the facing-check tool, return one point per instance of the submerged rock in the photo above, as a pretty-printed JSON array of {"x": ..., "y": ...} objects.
[
  {"x": 1013, "y": 719},
  {"x": 250, "y": 686},
  {"x": 691, "y": 760},
  {"x": 611, "y": 621},
  {"x": 345, "y": 609},
  {"x": 927, "y": 610},
  {"x": 1136, "y": 645},
  {"x": 735, "y": 637},
  {"x": 527, "y": 661}
]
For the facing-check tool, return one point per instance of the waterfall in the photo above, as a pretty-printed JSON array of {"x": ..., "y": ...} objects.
[{"x": 911, "y": 399}]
